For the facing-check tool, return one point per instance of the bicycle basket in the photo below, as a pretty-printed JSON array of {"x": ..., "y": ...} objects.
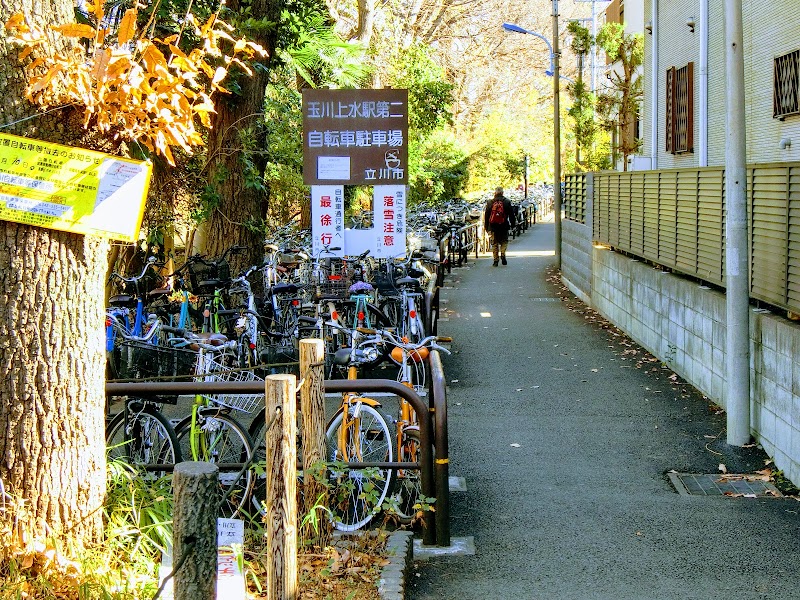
[
  {"x": 203, "y": 278},
  {"x": 141, "y": 360},
  {"x": 246, "y": 403},
  {"x": 337, "y": 285}
]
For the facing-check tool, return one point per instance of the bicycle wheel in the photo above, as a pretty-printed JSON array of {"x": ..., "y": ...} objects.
[
  {"x": 145, "y": 437},
  {"x": 222, "y": 440},
  {"x": 393, "y": 309},
  {"x": 408, "y": 482},
  {"x": 257, "y": 433},
  {"x": 357, "y": 494}
]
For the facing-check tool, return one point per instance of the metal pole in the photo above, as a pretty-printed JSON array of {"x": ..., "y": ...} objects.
[
  {"x": 556, "y": 138},
  {"x": 737, "y": 296},
  {"x": 594, "y": 48}
]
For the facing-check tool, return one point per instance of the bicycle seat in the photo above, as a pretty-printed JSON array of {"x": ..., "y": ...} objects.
[
  {"x": 285, "y": 288},
  {"x": 342, "y": 357},
  {"x": 124, "y": 300},
  {"x": 160, "y": 292},
  {"x": 407, "y": 281},
  {"x": 211, "y": 283}
]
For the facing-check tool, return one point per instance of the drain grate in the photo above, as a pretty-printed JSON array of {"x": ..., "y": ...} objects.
[{"x": 719, "y": 484}]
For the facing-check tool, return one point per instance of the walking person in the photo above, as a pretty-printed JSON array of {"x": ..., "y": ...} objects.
[{"x": 498, "y": 219}]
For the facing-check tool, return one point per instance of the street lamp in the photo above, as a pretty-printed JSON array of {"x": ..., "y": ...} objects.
[
  {"x": 517, "y": 29},
  {"x": 552, "y": 72}
]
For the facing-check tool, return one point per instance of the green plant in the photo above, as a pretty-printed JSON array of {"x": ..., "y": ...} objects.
[{"x": 784, "y": 485}]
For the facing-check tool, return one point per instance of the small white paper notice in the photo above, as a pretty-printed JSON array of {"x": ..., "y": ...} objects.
[{"x": 333, "y": 167}]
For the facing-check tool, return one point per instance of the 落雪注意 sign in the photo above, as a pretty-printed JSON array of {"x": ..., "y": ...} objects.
[{"x": 355, "y": 137}]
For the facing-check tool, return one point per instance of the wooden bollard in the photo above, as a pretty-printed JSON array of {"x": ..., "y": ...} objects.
[
  {"x": 281, "y": 501},
  {"x": 312, "y": 435},
  {"x": 194, "y": 533}
]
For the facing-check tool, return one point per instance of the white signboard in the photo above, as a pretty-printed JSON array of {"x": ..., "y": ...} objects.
[
  {"x": 327, "y": 219},
  {"x": 333, "y": 167},
  {"x": 386, "y": 238},
  {"x": 389, "y": 208},
  {"x": 230, "y": 578}
]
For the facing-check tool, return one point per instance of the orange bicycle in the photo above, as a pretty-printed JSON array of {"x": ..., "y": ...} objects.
[
  {"x": 411, "y": 356},
  {"x": 359, "y": 433}
]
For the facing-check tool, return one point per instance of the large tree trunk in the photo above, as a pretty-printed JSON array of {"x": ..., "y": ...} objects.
[
  {"x": 52, "y": 451},
  {"x": 51, "y": 384},
  {"x": 236, "y": 161}
]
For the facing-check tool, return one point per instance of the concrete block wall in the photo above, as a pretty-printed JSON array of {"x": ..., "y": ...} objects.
[
  {"x": 576, "y": 259},
  {"x": 683, "y": 324}
]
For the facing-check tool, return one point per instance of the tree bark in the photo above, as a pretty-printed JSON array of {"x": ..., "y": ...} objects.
[
  {"x": 236, "y": 159},
  {"x": 52, "y": 400},
  {"x": 52, "y": 364}
]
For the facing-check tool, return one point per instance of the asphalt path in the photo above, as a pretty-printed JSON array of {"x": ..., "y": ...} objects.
[{"x": 565, "y": 431}]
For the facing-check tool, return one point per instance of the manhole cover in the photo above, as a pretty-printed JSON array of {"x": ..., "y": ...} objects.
[{"x": 723, "y": 484}]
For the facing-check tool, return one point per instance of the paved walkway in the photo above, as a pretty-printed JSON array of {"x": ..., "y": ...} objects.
[{"x": 565, "y": 433}]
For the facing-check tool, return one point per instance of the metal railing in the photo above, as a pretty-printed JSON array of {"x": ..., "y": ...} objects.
[
  {"x": 676, "y": 218},
  {"x": 432, "y": 426}
]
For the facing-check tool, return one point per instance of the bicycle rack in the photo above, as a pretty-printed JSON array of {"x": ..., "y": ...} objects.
[{"x": 424, "y": 413}]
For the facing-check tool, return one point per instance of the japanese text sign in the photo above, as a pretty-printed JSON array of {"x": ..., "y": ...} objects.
[
  {"x": 327, "y": 220},
  {"x": 71, "y": 189},
  {"x": 355, "y": 137},
  {"x": 389, "y": 208}
]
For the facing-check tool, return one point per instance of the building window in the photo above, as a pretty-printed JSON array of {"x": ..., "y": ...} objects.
[
  {"x": 785, "y": 84},
  {"x": 680, "y": 109}
]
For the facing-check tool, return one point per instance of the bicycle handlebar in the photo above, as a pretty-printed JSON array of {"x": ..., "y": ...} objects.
[{"x": 151, "y": 262}]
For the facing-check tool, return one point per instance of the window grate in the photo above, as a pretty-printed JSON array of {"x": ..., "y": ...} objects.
[
  {"x": 680, "y": 109},
  {"x": 785, "y": 85}
]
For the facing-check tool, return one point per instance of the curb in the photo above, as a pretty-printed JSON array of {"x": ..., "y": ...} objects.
[{"x": 399, "y": 549}]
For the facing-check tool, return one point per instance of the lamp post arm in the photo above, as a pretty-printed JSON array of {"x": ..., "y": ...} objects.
[{"x": 518, "y": 29}]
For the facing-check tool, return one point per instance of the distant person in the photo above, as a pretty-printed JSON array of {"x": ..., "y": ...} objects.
[{"x": 498, "y": 219}]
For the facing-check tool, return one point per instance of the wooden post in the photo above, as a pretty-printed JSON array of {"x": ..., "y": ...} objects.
[
  {"x": 281, "y": 501},
  {"x": 194, "y": 533},
  {"x": 312, "y": 434}
]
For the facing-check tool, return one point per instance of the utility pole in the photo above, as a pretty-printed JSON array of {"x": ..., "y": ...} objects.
[
  {"x": 556, "y": 138},
  {"x": 737, "y": 285},
  {"x": 593, "y": 55}
]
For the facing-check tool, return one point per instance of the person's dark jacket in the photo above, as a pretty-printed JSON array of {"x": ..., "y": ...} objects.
[{"x": 500, "y": 230}]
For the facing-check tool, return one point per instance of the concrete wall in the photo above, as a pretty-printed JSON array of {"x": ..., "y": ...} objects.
[
  {"x": 683, "y": 324},
  {"x": 576, "y": 259}
]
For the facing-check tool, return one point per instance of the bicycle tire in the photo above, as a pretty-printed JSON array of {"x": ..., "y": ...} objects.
[
  {"x": 145, "y": 438},
  {"x": 224, "y": 440},
  {"x": 392, "y": 308},
  {"x": 357, "y": 494},
  {"x": 408, "y": 482}
]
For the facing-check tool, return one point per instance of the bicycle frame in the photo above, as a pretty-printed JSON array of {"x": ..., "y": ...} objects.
[{"x": 351, "y": 424}]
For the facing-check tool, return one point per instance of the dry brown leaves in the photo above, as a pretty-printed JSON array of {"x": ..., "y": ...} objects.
[
  {"x": 31, "y": 562},
  {"x": 336, "y": 573},
  {"x": 141, "y": 89}
]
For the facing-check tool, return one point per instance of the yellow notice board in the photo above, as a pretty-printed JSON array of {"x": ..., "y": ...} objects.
[{"x": 71, "y": 189}]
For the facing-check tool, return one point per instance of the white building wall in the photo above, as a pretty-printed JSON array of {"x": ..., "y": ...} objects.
[
  {"x": 716, "y": 85},
  {"x": 769, "y": 29}
]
